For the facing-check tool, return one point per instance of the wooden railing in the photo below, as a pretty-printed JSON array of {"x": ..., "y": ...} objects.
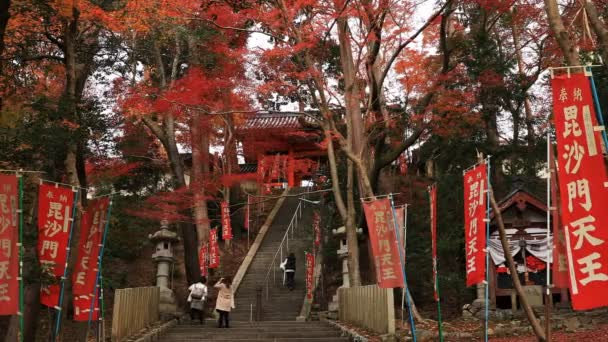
[
  {"x": 368, "y": 307},
  {"x": 134, "y": 309}
]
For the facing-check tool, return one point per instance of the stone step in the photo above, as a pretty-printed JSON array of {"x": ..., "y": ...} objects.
[
  {"x": 218, "y": 334},
  {"x": 290, "y": 339}
]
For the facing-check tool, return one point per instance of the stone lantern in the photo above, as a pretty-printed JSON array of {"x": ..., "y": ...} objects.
[
  {"x": 343, "y": 256},
  {"x": 164, "y": 259}
]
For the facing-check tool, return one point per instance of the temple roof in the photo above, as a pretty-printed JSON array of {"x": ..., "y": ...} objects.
[{"x": 276, "y": 120}]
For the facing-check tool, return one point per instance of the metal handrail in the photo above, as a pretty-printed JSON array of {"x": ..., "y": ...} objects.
[{"x": 293, "y": 224}]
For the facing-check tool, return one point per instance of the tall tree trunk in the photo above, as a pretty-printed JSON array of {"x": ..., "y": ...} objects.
[
  {"x": 599, "y": 28},
  {"x": 520, "y": 67},
  {"x": 4, "y": 17},
  {"x": 201, "y": 215},
  {"x": 352, "y": 241},
  {"x": 561, "y": 34},
  {"x": 535, "y": 323}
]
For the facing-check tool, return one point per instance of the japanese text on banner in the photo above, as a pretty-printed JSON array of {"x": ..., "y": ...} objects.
[
  {"x": 9, "y": 253},
  {"x": 381, "y": 225},
  {"x": 310, "y": 270},
  {"x": 475, "y": 201},
  {"x": 214, "y": 249},
  {"x": 55, "y": 206},
  {"x": 226, "y": 228},
  {"x": 582, "y": 184},
  {"x": 91, "y": 234},
  {"x": 82, "y": 307},
  {"x": 203, "y": 259}
]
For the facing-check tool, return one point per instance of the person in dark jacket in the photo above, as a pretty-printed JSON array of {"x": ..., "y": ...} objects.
[{"x": 289, "y": 265}]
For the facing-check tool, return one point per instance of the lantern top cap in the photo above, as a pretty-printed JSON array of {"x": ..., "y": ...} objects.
[{"x": 164, "y": 234}]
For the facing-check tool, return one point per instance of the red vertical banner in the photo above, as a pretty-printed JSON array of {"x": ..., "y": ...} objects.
[
  {"x": 400, "y": 214},
  {"x": 82, "y": 307},
  {"x": 55, "y": 206},
  {"x": 9, "y": 252},
  {"x": 247, "y": 213},
  {"x": 433, "y": 215},
  {"x": 214, "y": 249},
  {"x": 582, "y": 183},
  {"x": 226, "y": 227},
  {"x": 310, "y": 270},
  {"x": 202, "y": 260},
  {"x": 91, "y": 234},
  {"x": 316, "y": 224},
  {"x": 560, "y": 261},
  {"x": 381, "y": 226},
  {"x": 475, "y": 201}
]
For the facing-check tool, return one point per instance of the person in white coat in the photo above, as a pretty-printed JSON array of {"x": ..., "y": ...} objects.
[
  {"x": 196, "y": 299},
  {"x": 224, "y": 302}
]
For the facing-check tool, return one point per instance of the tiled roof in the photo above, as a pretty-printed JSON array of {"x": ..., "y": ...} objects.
[
  {"x": 274, "y": 120},
  {"x": 248, "y": 168}
]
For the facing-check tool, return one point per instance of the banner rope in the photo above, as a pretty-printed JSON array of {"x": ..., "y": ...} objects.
[
  {"x": 21, "y": 248},
  {"x": 65, "y": 269},
  {"x": 487, "y": 284},
  {"x": 402, "y": 260},
  {"x": 598, "y": 108},
  {"x": 99, "y": 261},
  {"x": 433, "y": 218}
]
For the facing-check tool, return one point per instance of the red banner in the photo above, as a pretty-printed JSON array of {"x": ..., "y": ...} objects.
[
  {"x": 310, "y": 270},
  {"x": 214, "y": 249},
  {"x": 316, "y": 224},
  {"x": 401, "y": 213},
  {"x": 226, "y": 227},
  {"x": 247, "y": 213},
  {"x": 582, "y": 183},
  {"x": 202, "y": 260},
  {"x": 91, "y": 235},
  {"x": 560, "y": 262},
  {"x": 433, "y": 214},
  {"x": 381, "y": 226},
  {"x": 9, "y": 252},
  {"x": 475, "y": 201},
  {"x": 82, "y": 307},
  {"x": 55, "y": 206}
]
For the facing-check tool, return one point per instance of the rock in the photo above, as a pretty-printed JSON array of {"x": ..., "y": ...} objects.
[
  {"x": 332, "y": 315},
  {"x": 466, "y": 307},
  {"x": 467, "y": 314},
  {"x": 491, "y": 332},
  {"x": 477, "y": 305},
  {"x": 571, "y": 324}
]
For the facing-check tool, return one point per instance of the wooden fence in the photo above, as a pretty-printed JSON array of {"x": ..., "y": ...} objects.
[
  {"x": 134, "y": 309},
  {"x": 368, "y": 307}
]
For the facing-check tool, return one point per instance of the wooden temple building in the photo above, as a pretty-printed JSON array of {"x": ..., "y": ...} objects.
[
  {"x": 283, "y": 148},
  {"x": 525, "y": 220}
]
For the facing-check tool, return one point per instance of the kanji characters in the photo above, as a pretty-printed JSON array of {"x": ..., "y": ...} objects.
[
  {"x": 579, "y": 189},
  {"x": 591, "y": 265},
  {"x": 582, "y": 230},
  {"x": 571, "y": 126},
  {"x": 574, "y": 153}
]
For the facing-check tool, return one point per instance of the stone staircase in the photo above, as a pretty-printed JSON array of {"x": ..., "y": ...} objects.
[
  {"x": 255, "y": 332},
  {"x": 280, "y": 304},
  {"x": 280, "y": 310}
]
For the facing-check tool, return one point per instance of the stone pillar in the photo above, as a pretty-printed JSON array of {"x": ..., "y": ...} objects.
[{"x": 164, "y": 259}]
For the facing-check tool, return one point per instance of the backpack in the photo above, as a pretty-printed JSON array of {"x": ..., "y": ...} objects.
[{"x": 197, "y": 293}]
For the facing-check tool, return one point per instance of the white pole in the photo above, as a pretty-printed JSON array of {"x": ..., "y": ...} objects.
[{"x": 549, "y": 245}]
